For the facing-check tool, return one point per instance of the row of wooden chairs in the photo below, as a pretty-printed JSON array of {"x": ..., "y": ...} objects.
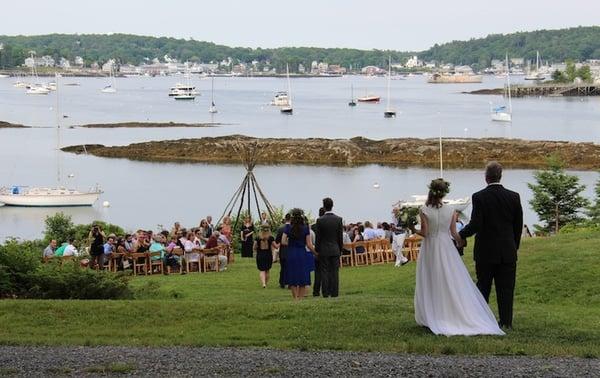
[{"x": 378, "y": 251}]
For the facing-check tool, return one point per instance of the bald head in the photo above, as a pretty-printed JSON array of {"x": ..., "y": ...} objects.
[{"x": 493, "y": 172}]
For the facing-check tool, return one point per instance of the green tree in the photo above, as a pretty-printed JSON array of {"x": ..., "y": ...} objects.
[
  {"x": 593, "y": 210},
  {"x": 59, "y": 227},
  {"x": 585, "y": 74},
  {"x": 556, "y": 196}
]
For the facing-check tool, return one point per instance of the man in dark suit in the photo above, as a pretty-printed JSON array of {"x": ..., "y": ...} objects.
[
  {"x": 496, "y": 222},
  {"x": 282, "y": 254},
  {"x": 329, "y": 244},
  {"x": 317, "y": 284}
]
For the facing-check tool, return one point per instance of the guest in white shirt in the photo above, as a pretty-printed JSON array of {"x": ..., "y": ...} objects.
[
  {"x": 70, "y": 249},
  {"x": 369, "y": 233}
]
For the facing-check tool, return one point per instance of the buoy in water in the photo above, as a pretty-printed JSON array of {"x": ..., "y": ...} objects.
[
  {"x": 106, "y": 204},
  {"x": 376, "y": 185},
  {"x": 71, "y": 175}
]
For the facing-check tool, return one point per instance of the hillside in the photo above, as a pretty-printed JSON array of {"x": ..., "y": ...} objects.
[{"x": 579, "y": 43}]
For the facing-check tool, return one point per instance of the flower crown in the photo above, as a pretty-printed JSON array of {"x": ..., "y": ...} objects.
[{"x": 440, "y": 192}]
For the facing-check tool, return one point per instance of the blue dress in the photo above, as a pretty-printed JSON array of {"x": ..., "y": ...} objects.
[{"x": 296, "y": 272}]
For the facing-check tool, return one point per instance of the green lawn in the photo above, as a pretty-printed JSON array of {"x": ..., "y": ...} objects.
[{"x": 557, "y": 311}]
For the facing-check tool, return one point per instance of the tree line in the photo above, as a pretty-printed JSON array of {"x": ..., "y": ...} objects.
[{"x": 579, "y": 44}]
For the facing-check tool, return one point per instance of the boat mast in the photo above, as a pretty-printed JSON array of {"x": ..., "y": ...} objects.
[
  {"x": 287, "y": 69},
  {"x": 389, "y": 79},
  {"x": 57, "y": 133},
  {"x": 212, "y": 91},
  {"x": 508, "y": 85}
]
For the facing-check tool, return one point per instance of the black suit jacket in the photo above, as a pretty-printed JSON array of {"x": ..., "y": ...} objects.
[
  {"x": 497, "y": 223},
  {"x": 329, "y": 238},
  {"x": 282, "y": 249}
]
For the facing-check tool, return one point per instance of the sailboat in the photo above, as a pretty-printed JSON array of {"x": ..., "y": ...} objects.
[
  {"x": 352, "y": 102},
  {"x": 389, "y": 112},
  {"x": 502, "y": 113},
  {"x": 58, "y": 196},
  {"x": 459, "y": 204},
  {"x": 110, "y": 88},
  {"x": 37, "y": 88},
  {"x": 537, "y": 75},
  {"x": 213, "y": 107},
  {"x": 287, "y": 108}
]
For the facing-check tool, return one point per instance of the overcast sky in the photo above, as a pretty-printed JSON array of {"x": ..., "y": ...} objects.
[{"x": 365, "y": 24}]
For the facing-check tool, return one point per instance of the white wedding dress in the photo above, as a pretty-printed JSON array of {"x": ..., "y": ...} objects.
[{"x": 446, "y": 299}]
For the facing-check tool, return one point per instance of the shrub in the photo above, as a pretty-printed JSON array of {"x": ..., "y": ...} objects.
[{"x": 59, "y": 227}]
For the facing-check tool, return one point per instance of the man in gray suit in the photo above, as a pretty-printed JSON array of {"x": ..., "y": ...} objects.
[{"x": 329, "y": 243}]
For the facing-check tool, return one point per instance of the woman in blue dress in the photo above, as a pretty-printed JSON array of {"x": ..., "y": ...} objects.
[{"x": 296, "y": 236}]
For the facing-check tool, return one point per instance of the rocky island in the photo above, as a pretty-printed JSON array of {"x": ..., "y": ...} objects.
[{"x": 458, "y": 152}]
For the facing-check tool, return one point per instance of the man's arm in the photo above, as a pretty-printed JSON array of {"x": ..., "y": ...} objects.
[
  {"x": 518, "y": 224},
  {"x": 476, "y": 222},
  {"x": 341, "y": 234}
]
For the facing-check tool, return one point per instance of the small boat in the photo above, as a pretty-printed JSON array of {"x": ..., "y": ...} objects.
[
  {"x": 389, "y": 112},
  {"x": 213, "y": 108},
  {"x": 352, "y": 102},
  {"x": 108, "y": 89},
  {"x": 4, "y": 76},
  {"x": 287, "y": 109},
  {"x": 369, "y": 98},
  {"x": 502, "y": 113},
  {"x": 179, "y": 89},
  {"x": 21, "y": 84},
  {"x": 38, "y": 90}
]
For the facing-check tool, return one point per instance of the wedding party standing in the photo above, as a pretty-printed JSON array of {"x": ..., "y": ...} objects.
[
  {"x": 246, "y": 237},
  {"x": 497, "y": 223},
  {"x": 329, "y": 244},
  {"x": 296, "y": 237},
  {"x": 263, "y": 247},
  {"x": 446, "y": 299}
]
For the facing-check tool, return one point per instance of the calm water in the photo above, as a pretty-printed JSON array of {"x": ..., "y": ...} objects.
[{"x": 148, "y": 194}]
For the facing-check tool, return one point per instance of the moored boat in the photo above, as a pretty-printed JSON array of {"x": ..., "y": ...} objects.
[
  {"x": 47, "y": 197},
  {"x": 369, "y": 98}
]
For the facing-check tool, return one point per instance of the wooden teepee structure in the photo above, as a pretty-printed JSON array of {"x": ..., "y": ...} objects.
[{"x": 249, "y": 191}]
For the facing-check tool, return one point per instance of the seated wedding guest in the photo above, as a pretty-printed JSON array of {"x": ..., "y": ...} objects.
[
  {"x": 199, "y": 240},
  {"x": 157, "y": 246},
  {"x": 210, "y": 224},
  {"x": 213, "y": 242},
  {"x": 205, "y": 231},
  {"x": 128, "y": 244},
  {"x": 189, "y": 246},
  {"x": 226, "y": 228},
  {"x": 387, "y": 231},
  {"x": 60, "y": 250},
  {"x": 142, "y": 243},
  {"x": 380, "y": 232},
  {"x": 70, "y": 249},
  {"x": 264, "y": 245},
  {"x": 222, "y": 238},
  {"x": 176, "y": 228},
  {"x": 124, "y": 262},
  {"x": 358, "y": 237},
  {"x": 264, "y": 221},
  {"x": 369, "y": 232},
  {"x": 49, "y": 250}
]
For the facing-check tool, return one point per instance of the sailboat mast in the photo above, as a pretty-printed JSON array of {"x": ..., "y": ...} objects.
[
  {"x": 57, "y": 132},
  {"x": 212, "y": 91},
  {"x": 287, "y": 69},
  {"x": 508, "y": 85},
  {"x": 441, "y": 156},
  {"x": 389, "y": 79}
]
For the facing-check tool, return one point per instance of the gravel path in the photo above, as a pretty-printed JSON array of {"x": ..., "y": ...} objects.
[{"x": 188, "y": 361}]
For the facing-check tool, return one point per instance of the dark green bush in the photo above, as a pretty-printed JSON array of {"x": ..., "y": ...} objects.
[{"x": 22, "y": 275}]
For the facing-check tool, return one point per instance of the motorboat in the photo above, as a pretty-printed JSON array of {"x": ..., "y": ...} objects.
[
  {"x": 369, "y": 98},
  {"x": 179, "y": 89},
  {"x": 47, "y": 197},
  {"x": 38, "y": 90}
]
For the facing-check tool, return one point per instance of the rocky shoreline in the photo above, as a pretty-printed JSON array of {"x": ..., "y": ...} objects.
[
  {"x": 458, "y": 152},
  {"x": 145, "y": 125},
  {"x": 8, "y": 125}
]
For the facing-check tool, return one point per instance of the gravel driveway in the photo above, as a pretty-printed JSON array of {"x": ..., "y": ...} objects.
[{"x": 191, "y": 361}]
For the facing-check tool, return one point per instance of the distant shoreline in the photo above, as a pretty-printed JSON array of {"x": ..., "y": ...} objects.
[
  {"x": 458, "y": 152},
  {"x": 7, "y": 125}
]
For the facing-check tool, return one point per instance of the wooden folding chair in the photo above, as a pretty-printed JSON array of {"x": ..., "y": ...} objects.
[
  {"x": 374, "y": 252},
  {"x": 140, "y": 263},
  {"x": 211, "y": 257},
  {"x": 347, "y": 259},
  {"x": 388, "y": 252},
  {"x": 193, "y": 259},
  {"x": 155, "y": 263},
  {"x": 113, "y": 262},
  {"x": 411, "y": 247},
  {"x": 359, "y": 251},
  {"x": 177, "y": 251}
]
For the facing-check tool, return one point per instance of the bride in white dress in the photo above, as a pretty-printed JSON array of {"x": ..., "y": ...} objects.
[{"x": 446, "y": 299}]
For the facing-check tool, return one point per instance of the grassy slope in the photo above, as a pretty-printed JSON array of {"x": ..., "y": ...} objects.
[{"x": 556, "y": 311}]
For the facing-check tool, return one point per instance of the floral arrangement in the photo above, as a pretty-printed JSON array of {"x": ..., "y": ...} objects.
[{"x": 406, "y": 216}]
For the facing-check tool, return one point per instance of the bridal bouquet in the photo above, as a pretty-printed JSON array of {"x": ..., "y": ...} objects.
[{"x": 406, "y": 216}]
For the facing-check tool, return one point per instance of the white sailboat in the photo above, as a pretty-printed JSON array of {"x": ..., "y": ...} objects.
[
  {"x": 58, "y": 196},
  {"x": 352, "y": 102},
  {"x": 389, "y": 112},
  {"x": 213, "y": 108},
  {"x": 537, "y": 75},
  {"x": 111, "y": 87},
  {"x": 37, "y": 88},
  {"x": 287, "y": 108},
  {"x": 502, "y": 113},
  {"x": 459, "y": 204}
]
